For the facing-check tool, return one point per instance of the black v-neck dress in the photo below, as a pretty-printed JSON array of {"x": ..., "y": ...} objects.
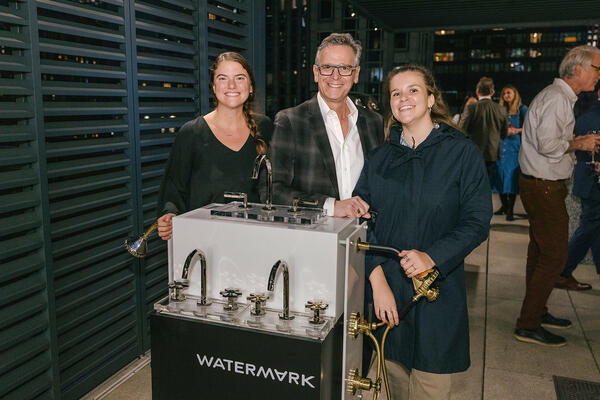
[{"x": 201, "y": 168}]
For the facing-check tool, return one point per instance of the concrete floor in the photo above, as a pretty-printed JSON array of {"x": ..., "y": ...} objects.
[{"x": 501, "y": 367}]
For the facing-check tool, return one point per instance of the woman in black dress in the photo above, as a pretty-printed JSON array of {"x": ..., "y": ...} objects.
[{"x": 215, "y": 153}]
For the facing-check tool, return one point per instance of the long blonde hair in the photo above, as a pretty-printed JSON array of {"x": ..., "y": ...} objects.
[
  {"x": 439, "y": 110},
  {"x": 259, "y": 142},
  {"x": 515, "y": 105}
]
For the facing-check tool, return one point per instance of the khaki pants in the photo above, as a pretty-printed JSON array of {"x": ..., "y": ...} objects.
[{"x": 411, "y": 385}]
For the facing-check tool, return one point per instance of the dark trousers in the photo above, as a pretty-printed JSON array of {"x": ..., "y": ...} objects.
[
  {"x": 544, "y": 202},
  {"x": 585, "y": 237}
]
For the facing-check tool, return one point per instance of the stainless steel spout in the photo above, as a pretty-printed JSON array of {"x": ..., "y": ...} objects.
[
  {"x": 187, "y": 272},
  {"x": 257, "y": 163},
  {"x": 286, "y": 287}
]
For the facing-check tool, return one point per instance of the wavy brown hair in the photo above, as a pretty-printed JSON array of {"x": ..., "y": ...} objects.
[
  {"x": 439, "y": 110},
  {"x": 259, "y": 142},
  {"x": 515, "y": 105}
]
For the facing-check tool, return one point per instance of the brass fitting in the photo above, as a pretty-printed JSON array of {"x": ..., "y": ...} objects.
[
  {"x": 360, "y": 245},
  {"x": 423, "y": 286},
  {"x": 356, "y": 383},
  {"x": 358, "y": 324}
]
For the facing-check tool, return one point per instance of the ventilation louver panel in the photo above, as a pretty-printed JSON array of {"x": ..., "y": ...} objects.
[
  {"x": 25, "y": 360},
  {"x": 227, "y": 29},
  {"x": 90, "y": 181},
  {"x": 166, "y": 35}
]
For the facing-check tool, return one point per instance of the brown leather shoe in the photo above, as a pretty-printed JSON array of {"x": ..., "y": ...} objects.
[{"x": 571, "y": 283}]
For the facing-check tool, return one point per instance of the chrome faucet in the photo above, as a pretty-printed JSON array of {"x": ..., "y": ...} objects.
[
  {"x": 257, "y": 163},
  {"x": 187, "y": 272},
  {"x": 286, "y": 287}
]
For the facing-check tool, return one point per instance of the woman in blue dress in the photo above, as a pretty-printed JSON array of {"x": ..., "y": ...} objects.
[{"x": 508, "y": 164}]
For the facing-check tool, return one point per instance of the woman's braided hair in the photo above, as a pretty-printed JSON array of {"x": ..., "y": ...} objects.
[{"x": 261, "y": 145}]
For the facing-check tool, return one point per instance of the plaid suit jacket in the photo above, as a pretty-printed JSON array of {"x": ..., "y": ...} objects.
[{"x": 301, "y": 156}]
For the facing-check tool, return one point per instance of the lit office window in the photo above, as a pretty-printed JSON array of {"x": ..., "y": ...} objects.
[
  {"x": 376, "y": 74},
  {"x": 517, "y": 66},
  {"x": 443, "y": 57},
  {"x": 535, "y": 37},
  {"x": 517, "y": 52}
]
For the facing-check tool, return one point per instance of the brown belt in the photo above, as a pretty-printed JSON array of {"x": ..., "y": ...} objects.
[{"x": 541, "y": 179}]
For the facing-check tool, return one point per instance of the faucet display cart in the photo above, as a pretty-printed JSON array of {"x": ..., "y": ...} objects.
[{"x": 231, "y": 338}]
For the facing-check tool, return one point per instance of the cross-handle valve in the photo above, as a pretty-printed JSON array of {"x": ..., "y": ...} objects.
[
  {"x": 176, "y": 290},
  {"x": 316, "y": 306},
  {"x": 231, "y": 294},
  {"x": 355, "y": 383},
  {"x": 238, "y": 195},
  {"x": 299, "y": 202},
  {"x": 259, "y": 300}
]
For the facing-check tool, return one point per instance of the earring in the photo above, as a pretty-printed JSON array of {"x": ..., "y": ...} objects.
[{"x": 429, "y": 109}]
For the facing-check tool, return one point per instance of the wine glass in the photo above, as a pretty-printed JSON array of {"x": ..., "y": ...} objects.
[{"x": 593, "y": 163}]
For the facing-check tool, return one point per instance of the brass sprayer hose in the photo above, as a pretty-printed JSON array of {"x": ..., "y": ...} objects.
[
  {"x": 422, "y": 284},
  {"x": 384, "y": 368},
  {"x": 379, "y": 355}
]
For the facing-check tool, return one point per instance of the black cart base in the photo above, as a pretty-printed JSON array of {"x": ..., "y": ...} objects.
[{"x": 197, "y": 359}]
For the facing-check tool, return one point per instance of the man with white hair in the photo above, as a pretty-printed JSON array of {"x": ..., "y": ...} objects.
[
  {"x": 318, "y": 147},
  {"x": 546, "y": 160}
]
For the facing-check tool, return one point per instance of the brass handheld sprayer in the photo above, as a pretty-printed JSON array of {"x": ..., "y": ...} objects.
[{"x": 357, "y": 324}]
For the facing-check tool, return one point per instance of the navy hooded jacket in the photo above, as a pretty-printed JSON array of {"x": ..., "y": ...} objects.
[{"x": 436, "y": 199}]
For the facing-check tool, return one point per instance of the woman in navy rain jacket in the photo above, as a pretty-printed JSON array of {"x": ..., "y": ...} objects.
[{"x": 430, "y": 188}]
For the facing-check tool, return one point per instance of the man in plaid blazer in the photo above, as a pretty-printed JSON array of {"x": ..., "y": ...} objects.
[{"x": 318, "y": 147}]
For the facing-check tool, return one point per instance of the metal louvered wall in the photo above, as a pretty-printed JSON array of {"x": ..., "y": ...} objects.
[
  {"x": 27, "y": 336},
  {"x": 166, "y": 91},
  {"x": 92, "y": 93}
]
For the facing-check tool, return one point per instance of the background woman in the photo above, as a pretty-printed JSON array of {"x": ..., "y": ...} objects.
[
  {"x": 215, "y": 153},
  {"x": 430, "y": 188},
  {"x": 508, "y": 164}
]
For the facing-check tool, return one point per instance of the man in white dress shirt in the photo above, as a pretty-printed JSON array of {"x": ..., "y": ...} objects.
[
  {"x": 318, "y": 147},
  {"x": 546, "y": 160}
]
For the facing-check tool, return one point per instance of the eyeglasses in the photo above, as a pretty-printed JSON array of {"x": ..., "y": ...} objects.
[
  {"x": 343, "y": 70},
  {"x": 597, "y": 68}
]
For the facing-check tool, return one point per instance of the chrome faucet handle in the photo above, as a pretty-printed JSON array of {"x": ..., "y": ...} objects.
[
  {"x": 231, "y": 294},
  {"x": 176, "y": 291},
  {"x": 299, "y": 202},
  {"x": 316, "y": 306},
  {"x": 238, "y": 195},
  {"x": 259, "y": 300}
]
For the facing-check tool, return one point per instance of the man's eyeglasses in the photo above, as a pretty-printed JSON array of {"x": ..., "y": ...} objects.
[
  {"x": 343, "y": 70},
  {"x": 597, "y": 68}
]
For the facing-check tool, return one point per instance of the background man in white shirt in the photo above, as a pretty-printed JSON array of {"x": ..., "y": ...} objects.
[
  {"x": 318, "y": 147},
  {"x": 546, "y": 161}
]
